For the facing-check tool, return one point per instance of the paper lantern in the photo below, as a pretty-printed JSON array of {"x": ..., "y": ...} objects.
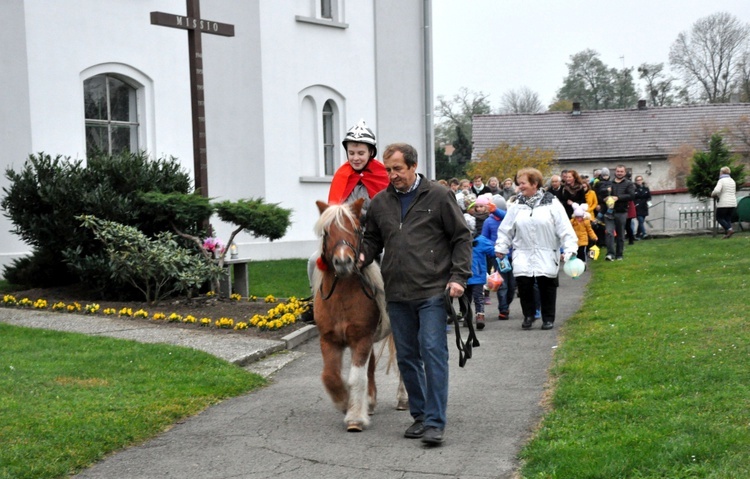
[{"x": 574, "y": 267}]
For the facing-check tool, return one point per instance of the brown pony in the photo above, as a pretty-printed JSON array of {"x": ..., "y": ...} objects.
[{"x": 349, "y": 310}]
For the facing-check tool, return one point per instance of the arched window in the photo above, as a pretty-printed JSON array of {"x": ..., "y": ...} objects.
[
  {"x": 329, "y": 148},
  {"x": 321, "y": 132},
  {"x": 111, "y": 114}
]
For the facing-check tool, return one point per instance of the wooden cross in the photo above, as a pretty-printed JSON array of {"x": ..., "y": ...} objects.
[{"x": 195, "y": 25}]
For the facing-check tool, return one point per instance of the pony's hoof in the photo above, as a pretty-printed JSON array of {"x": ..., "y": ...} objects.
[
  {"x": 353, "y": 426},
  {"x": 402, "y": 405}
]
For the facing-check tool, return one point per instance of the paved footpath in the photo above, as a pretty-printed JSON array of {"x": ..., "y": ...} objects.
[{"x": 289, "y": 429}]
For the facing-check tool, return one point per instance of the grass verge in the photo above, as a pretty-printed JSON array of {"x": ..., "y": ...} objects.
[
  {"x": 67, "y": 400},
  {"x": 652, "y": 378},
  {"x": 282, "y": 278}
]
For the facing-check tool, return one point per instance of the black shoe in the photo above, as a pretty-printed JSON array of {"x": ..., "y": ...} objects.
[
  {"x": 433, "y": 436},
  {"x": 415, "y": 431},
  {"x": 527, "y": 323},
  {"x": 547, "y": 325},
  {"x": 307, "y": 316}
]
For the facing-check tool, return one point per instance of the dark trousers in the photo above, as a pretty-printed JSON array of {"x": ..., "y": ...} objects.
[
  {"x": 724, "y": 217},
  {"x": 547, "y": 296}
]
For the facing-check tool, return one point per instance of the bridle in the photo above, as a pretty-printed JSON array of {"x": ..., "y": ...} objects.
[{"x": 366, "y": 287}]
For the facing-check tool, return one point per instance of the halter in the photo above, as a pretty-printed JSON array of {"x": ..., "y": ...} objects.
[{"x": 366, "y": 288}]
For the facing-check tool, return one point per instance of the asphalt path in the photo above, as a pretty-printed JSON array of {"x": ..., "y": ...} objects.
[{"x": 290, "y": 429}]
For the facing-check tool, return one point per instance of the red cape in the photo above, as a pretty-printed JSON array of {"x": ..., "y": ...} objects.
[{"x": 373, "y": 177}]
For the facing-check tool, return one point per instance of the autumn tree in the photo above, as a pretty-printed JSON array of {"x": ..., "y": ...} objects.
[
  {"x": 561, "y": 105},
  {"x": 679, "y": 165},
  {"x": 710, "y": 55},
  {"x": 505, "y": 160},
  {"x": 523, "y": 100}
]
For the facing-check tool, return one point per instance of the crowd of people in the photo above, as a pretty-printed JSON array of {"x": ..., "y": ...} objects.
[{"x": 433, "y": 239}]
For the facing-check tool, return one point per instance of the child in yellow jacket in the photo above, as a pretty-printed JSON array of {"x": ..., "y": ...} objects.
[{"x": 582, "y": 226}]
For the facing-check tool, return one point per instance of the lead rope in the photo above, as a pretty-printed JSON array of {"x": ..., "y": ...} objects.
[{"x": 464, "y": 349}]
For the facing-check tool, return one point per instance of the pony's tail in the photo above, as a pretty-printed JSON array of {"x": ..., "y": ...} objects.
[{"x": 390, "y": 343}]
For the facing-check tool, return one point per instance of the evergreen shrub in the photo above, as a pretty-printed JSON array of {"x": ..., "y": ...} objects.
[{"x": 46, "y": 195}]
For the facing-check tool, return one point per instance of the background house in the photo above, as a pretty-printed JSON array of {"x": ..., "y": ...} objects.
[
  {"x": 648, "y": 141},
  {"x": 279, "y": 95}
]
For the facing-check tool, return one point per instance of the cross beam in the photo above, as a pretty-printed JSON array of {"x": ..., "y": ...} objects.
[{"x": 195, "y": 26}]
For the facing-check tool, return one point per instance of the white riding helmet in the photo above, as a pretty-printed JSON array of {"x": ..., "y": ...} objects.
[{"x": 359, "y": 133}]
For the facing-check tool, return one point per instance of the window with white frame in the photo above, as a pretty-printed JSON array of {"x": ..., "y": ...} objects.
[
  {"x": 329, "y": 13},
  {"x": 111, "y": 114},
  {"x": 321, "y": 132}
]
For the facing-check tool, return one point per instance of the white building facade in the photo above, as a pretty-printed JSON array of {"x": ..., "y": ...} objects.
[{"x": 279, "y": 95}]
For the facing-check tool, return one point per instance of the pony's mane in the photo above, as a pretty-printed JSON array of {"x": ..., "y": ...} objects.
[{"x": 340, "y": 215}]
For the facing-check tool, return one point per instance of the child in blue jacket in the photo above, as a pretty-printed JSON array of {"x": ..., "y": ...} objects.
[{"x": 482, "y": 248}]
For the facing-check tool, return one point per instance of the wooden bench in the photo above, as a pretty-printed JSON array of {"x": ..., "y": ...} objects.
[{"x": 235, "y": 281}]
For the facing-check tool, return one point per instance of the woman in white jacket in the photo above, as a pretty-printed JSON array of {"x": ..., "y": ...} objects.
[
  {"x": 726, "y": 192},
  {"x": 537, "y": 229}
]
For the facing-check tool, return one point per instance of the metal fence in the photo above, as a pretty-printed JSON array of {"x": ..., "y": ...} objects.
[{"x": 680, "y": 211}]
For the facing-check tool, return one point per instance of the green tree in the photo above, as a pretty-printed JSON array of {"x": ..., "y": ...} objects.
[
  {"x": 709, "y": 57},
  {"x": 462, "y": 148},
  {"x": 704, "y": 171},
  {"x": 624, "y": 94},
  {"x": 445, "y": 168},
  {"x": 589, "y": 81},
  {"x": 595, "y": 86},
  {"x": 505, "y": 160}
]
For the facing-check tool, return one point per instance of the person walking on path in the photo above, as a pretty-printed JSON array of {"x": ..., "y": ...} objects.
[
  {"x": 362, "y": 176},
  {"x": 726, "y": 192},
  {"x": 621, "y": 190},
  {"x": 506, "y": 292},
  {"x": 584, "y": 232},
  {"x": 536, "y": 227},
  {"x": 642, "y": 199},
  {"x": 427, "y": 249}
]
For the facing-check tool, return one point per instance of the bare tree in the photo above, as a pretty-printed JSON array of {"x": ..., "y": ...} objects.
[
  {"x": 660, "y": 87},
  {"x": 523, "y": 100},
  {"x": 708, "y": 56},
  {"x": 457, "y": 112},
  {"x": 743, "y": 77}
]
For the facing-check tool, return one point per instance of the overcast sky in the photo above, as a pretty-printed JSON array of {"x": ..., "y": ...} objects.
[{"x": 494, "y": 46}]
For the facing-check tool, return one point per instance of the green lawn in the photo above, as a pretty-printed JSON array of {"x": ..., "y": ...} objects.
[
  {"x": 67, "y": 400},
  {"x": 652, "y": 377}
]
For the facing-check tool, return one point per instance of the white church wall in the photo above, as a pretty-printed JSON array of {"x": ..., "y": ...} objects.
[
  {"x": 15, "y": 117},
  {"x": 401, "y": 78},
  {"x": 115, "y": 34},
  {"x": 326, "y": 62},
  {"x": 254, "y": 91}
]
